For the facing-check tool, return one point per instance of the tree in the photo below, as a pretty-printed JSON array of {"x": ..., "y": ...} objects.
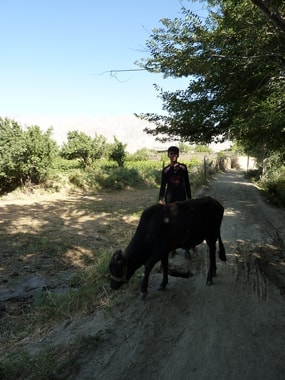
[
  {"x": 98, "y": 147},
  {"x": 11, "y": 148},
  {"x": 269, "y": 8},
  {"x": 85, "y": 148},
  {"x": 235, "y": 63},
  {"x": 38, "y": 153},
  {"x": 117, "y": 152},
  {"x": 24, "y": 154}
]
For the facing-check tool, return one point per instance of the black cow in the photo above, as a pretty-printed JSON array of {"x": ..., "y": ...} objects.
[{"x": 161, "y": 229}]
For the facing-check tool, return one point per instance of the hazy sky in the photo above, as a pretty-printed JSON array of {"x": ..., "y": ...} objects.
[{"x": 53, "y": 54}]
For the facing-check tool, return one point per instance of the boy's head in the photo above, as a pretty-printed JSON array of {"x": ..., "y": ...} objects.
[{"x": 173, "y": 150}]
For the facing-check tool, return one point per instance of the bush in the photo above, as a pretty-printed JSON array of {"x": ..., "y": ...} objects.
[
  {"x": 78, "y": 179},
  {"x": 272, "y": 180},
  {"x": 119, "y": 178},
  {"x": 63, "y": 165},
  {"x": 108, "y": 176},
  {"x": 149, "y": 171},
  {"x": 276, "y": 192},
  {"x": 25, "y": 155},
  {"x": 117, "y": 152}
]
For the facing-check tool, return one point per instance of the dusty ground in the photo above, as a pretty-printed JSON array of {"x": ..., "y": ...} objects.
[{"x": 231, "y": 330}]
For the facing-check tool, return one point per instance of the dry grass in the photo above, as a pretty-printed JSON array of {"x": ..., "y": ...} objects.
[{"x": 55, "y": 250}]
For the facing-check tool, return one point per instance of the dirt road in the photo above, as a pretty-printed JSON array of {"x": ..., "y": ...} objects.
[{"x": 232, "y": 330}]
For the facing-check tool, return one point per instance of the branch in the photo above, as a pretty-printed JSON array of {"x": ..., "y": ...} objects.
[{"x": 273, "y": 15}]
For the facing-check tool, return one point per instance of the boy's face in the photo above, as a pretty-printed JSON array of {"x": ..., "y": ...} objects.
[{"x": 173, "y": 155}]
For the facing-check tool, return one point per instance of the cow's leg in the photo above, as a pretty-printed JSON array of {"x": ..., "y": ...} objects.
[
  {"x": 222, "y": 252},
  {"x": 148, "y": 267},
  {"x": 212, "y": 268},
  {"x": 164, "y": 264}
]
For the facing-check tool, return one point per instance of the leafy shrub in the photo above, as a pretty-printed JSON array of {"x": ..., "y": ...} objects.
[
  {"x": 117, "y": 152},
  {"x": 141, "y": 155},
  {"x": 63, "y": 165},
  {"x": 276, "y": 192},
  {"x": 78, "y": 179},
  {"x": 25, "y": 155},
  {"x": 272, "y": 180},
  {"x": 149, "y": 171},
  {"x": 119, "y": 178}
]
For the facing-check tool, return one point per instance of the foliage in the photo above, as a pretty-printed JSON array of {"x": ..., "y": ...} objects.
[
  {"x": 40, "y": 151},
  {"x": 275, "y": 191},
  {"x": 25, "y": 155},
  {"x": 117, "y": 152},
  {"x": 235, "y": 64},
  {"x": 141, "y": 154},
  {"x": 83, "y": 147},
  {"x": 62, "y": 164},
  {"x": 271, "y": 11},
  {"x": 149, "y": 171},
  {"x": 120, "y": 178},
  {"x": 78, "y": 178},
  {"x": 203, "y": 148},
  {"x": 108, "y": 176},
  {"x": 31, "y": 156},
  {"x": 272, "y": 179}
]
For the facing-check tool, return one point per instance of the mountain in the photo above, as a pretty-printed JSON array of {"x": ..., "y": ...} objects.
[{"x": 128, "y": 129}]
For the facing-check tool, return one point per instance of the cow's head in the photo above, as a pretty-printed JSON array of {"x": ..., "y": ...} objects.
[{"x": 118, "y": 270}]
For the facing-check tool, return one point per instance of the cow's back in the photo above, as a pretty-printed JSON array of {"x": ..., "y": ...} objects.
[
  {"x": 196, "y": 220},
  {"x": 206, "y": 208}
]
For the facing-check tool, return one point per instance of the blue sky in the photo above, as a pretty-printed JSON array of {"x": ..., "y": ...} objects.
[{"x": 53, "y": 52}]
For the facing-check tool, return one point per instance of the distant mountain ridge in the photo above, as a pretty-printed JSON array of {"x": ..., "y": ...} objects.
[{"x": 128, "y": 129}]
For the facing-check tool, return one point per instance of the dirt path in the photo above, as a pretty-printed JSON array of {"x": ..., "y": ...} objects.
[{"x": 232, "y": 330}]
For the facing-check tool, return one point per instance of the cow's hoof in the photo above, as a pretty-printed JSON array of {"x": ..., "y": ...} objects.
[
  {"x": 143, "y": 295},
  {"x": 209, "y": 282},
  {"x": 161, "y": 287}
]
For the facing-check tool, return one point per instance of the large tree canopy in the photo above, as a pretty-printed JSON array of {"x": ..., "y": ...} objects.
[{"x": 235, "y": 62}]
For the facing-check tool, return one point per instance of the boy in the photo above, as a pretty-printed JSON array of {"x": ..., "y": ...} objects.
[{"x": 175, "y": 185}]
